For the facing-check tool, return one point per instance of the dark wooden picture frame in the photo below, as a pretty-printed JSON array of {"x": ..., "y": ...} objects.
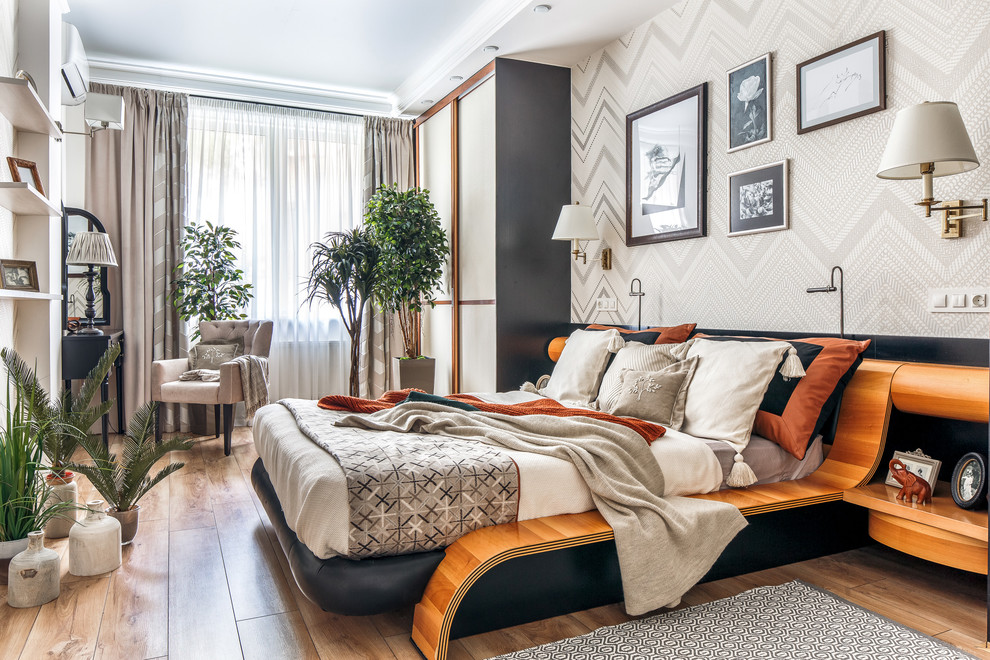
[
  {"x": 832, "y": 87},
  {"x": 759, "y": 199},
  {"x": 18, "y": 275},
  {"x": 969, "y": 481},
  {"x": 25, "y": 171},
  {"x": 667, "y": 169},
  {"x": 749, "y": 112}
]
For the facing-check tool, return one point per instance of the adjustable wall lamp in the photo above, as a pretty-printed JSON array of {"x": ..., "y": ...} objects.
[
  {"x": 831, "y": 289},
  {"x": 576, "y": 223},
  {"x": 102, "y": 111}
]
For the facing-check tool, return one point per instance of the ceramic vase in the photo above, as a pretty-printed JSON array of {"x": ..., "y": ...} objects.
[
  {"x": 63, "y": 489},
  {"x": 8, "y": 549},
  {"x": 94, "y": 544},
  {"x": 34, "y": 574},
  {"x": 128, "y": 522}
]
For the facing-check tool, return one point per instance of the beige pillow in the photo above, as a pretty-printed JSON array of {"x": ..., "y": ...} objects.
[
  {"x": 656, "y": 396},
  {"x": 579, "y": 368},
  {"x": 728, "y": 386},
  {"x": 211, "y": 356},
  {"x": 637, "y": 357}
]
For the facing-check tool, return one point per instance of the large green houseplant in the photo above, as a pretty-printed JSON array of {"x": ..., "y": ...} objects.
[
  {"x": 413, "y": 244},
  {"x": 345, "y": 272},
  {"x": 209, "y": 286}
]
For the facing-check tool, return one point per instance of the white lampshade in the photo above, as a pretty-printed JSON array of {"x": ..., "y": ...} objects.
[
  {"x": 104, "y": 111},
  {"x": 576, "y": 222},
  {"x": 927, "y": 133},
  {"x": 91, "y": 248}
]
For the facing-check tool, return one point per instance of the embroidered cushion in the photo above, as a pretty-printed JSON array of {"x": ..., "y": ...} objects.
[
  {"x": 638, "y": 357},
  {"x": 211, "y": 356},
  {"x": 655, "y": 396}
]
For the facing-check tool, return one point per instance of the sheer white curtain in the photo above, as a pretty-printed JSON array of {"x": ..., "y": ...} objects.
[{"x": 282, "y": 178}]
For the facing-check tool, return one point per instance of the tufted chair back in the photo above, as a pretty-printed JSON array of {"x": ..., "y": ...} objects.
[{"x": 257, "y": 334}]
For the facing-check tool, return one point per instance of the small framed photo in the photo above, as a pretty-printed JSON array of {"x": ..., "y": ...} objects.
[
  {"x": 918, "y": 463},
  {"x": 25, "y": 171},
  {"x": 969, "y": 481},
  {"x": 666, "y": 169},
  {"x": 18, "y": 275},
  {"x": 750, "y": 107},
  {"x": 842, "y": 84},
  {"x": 758, "y": 199}
]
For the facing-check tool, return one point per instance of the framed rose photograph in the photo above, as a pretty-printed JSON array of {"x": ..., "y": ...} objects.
[
  {"x": 758, "y": 199},
  {"x": 750, "y": 107},
  {"x": 25, "y": 171},
  {"x": 666, "y": 169},
  {"x": 18, "y": 275}
]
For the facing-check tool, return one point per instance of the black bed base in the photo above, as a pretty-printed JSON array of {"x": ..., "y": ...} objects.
[{"x": 543, "y": 585}]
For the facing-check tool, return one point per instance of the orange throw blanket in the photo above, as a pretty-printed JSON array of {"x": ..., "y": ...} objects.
[{"x": 646, "y": 430}]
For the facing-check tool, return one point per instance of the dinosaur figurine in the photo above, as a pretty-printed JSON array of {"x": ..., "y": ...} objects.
[{"x": 912, "y": 486}]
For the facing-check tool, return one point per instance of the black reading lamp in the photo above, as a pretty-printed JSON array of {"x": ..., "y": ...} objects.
[{"x": 93, "y": 250}]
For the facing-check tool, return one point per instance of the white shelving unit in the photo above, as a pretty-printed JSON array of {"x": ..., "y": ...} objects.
[{"x": 21, "y": 199}]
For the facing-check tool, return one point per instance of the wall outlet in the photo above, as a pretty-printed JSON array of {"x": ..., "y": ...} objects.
[
  {"x": 606, "y": 305},
  {"x": 957, "y": 299}
]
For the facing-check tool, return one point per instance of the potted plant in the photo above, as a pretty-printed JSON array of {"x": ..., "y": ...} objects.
[
  {"x": 124, "y": 480},
  {"x": 406, "y": 227},
  {"x": 208, "y": 286},
  {"x": 63, "y": 420},
  {"x": 344, "y": 274},
  {"x": 24, "y": 503}
]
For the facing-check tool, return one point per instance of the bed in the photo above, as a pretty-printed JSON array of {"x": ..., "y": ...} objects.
[{"x": 557, "y": 531}]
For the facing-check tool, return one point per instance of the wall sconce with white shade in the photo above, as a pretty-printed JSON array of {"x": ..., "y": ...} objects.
[
  {"x": 102, "y": 111},
  {"x": 93, "y": 250},
  {"x": 576, "y": 223},
  {"x": 930, "y": 140}
]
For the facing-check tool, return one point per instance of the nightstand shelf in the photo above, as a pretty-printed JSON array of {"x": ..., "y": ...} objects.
[
  {"x": 20, "y": 104},
  {"x": 21, "y": 199}
]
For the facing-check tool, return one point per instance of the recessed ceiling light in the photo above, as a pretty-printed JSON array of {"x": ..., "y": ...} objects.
[
  {"x": 456, "y": 78},
  {"x": 541, "y": 9},
  {"x": 489, "y": 49},
  {"x": 427, "y": 101}
]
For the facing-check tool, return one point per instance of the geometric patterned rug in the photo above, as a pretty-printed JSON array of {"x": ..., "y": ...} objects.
[{"x": 793, "y": 620}]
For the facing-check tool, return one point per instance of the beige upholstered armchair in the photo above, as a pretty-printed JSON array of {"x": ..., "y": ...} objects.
[{"x": 167, "y": 388}]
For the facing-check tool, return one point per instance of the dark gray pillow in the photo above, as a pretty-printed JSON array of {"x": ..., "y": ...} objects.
[
  {"x": 656, "y": 396},
  {"x": 210, "y": 355}
]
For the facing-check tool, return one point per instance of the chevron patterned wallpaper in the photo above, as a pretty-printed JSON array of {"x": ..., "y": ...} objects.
[{"x": 841, "y": 214}]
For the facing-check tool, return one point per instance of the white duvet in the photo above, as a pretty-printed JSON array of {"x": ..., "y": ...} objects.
[{"x": 312, "y": 489}]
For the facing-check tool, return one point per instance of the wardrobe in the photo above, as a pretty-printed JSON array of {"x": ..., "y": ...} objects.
[{"x": 495, "y": 156}]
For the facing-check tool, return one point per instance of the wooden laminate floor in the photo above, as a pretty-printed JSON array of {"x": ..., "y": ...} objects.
[{"x": 206, "y": 578}]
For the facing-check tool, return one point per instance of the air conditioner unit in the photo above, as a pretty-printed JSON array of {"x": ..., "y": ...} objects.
[{"x": 75, "y": 67}]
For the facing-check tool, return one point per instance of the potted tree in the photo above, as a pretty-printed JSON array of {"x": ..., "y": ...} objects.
[
  {"x": 62, "y": 421},
  {"x": 406, "y": 227},
  {"x": 123, "y": 480},
  {"x": 345, "y": 270}
]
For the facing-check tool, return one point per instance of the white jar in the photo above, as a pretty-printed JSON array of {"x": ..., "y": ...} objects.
[
  {"x": 94, "y": 543},
  {"x": 34, "y": 574},
  {"x": 63, "y": 489}
]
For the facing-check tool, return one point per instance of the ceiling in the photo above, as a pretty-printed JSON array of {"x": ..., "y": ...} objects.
[{"x": 365, "y": 56}]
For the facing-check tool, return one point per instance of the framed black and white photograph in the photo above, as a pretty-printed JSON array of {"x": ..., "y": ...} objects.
[
  {"x": 844, "y": 83},
  {"x": 750, "y": 107},
  {"x": 758, "y": 199},
  {"x": 18, "y": 275},
  {"x": 25, "y": 171},
  {"x": 969, "y": 481},
  {"x": 917, "y": 463},
  {"x": 666, "y": 166}
]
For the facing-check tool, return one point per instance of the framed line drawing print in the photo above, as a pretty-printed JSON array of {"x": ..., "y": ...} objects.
[
  {"x": 758, "y": 199},
  {"x": 844, "y": 83},
  {"x": 750, "y": 107},
  {"x": 666, "y": 169}
]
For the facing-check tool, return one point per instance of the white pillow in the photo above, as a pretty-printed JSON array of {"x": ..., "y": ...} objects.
[
  {"x": 579, "y": 368},
  {"x": 637, "y": 357},
  {"x": 728, "y": 386}
]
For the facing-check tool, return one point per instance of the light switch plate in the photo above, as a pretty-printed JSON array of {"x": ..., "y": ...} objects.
[
  {"x": 971, "y": 299},
  {"x": 606, "y": 305}
]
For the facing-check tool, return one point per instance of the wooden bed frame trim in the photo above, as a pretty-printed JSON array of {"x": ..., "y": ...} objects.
[{"x": 852, "y": 461}]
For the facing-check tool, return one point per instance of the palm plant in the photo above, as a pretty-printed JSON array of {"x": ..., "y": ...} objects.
[{"x": 124, "y": 480}]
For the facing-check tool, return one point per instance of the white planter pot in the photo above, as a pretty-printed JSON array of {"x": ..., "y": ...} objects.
[
  {"x": 63, "y": 490},
  {"x": 419, "y": 373},
  {"x": 94, "y": 544}
]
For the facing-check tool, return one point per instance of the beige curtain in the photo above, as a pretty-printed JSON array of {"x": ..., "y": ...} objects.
[
  {"x": 389, "y": 158},
  {"x": 136, "y": 185}
]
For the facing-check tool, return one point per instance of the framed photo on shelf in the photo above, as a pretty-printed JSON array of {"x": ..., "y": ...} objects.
[
  {"x": 666, "y": 169},
  {"x": 758, "y": 199},
  {"x": 18, "y": 275},
  {"x": 750, "y": 107},
  {"x": 969, "y": 481},
  {"x": 842, "y": 84},
  {"x": 918, "y": 463},
  {"x": 25, "y": 171}
]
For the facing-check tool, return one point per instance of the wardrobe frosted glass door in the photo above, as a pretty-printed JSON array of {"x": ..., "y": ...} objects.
[
  {"x": 476, "y": 238},
  {"x": 435, "y": 175}
]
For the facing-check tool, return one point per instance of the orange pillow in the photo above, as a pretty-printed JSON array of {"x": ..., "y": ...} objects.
[{"x": 672, "y": 335}]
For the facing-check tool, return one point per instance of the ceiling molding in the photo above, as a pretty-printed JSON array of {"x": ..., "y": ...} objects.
[
  {"x": 241, "y": 88},
  {"x": 468, "y": 40}
]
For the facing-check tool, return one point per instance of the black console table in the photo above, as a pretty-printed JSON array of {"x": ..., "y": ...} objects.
[{"x": 80, "y": 353}]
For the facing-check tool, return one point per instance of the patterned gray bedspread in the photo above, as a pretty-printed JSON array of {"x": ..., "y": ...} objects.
[{"x": 412, "y": 492}]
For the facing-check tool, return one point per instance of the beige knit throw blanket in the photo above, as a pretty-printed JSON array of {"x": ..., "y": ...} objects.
[
  {"x": 254, "y": 382},
  {"x": 665, "y": 545}
]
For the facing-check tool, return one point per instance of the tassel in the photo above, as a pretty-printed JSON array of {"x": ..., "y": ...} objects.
[
  {"x": 741, "y": 474},
  {"x": 528, "y": 387},
  {"x": 792, "y": 367}
]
